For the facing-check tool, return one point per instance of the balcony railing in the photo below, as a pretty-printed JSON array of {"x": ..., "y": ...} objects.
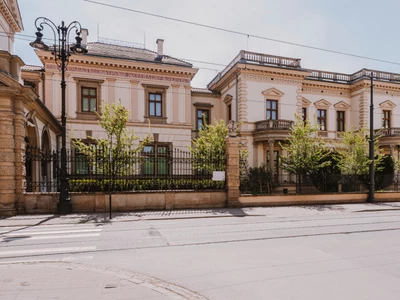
[
  {"x": 388, "y": 131},
  {"x": 257, "y": 58},
  {"x": 287, "y": 62},
  {"x": 274, "y": 125}
]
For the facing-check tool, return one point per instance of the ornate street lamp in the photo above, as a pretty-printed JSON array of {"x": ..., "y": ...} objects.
[
  {"x": 62, "y": 51},
  {"x": 371, "y": 196}
]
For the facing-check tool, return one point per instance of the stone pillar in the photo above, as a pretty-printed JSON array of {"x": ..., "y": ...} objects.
[
  {"x": 19, "y": 152},
  {"x": 7, "y": 157},
  {"x": 175, "y": 103},
  {"x": 271, "y": 144},
  {"x": 232, "y": 171},
  {"x": 392, "y": 147}
]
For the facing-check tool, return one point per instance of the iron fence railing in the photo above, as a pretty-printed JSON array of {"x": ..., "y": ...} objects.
[
  {"x": 153, "y": 169},
  {"x": 265, "y": 183}
]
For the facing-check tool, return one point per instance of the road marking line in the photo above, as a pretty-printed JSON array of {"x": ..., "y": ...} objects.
[
  {"x": 70, "y": 258},
  {"x": 47, "y": 227},
  {"x": 48, "y": 250},
  {"x": 54, "y": 237},
  {"x": 50, "y": 232}
]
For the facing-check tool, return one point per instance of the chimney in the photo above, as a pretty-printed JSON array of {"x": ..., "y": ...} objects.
[
  {"x": 84, "y": 35},
  {"x": 160, "y": 43}
]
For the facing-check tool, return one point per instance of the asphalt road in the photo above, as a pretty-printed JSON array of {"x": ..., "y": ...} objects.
[{"x": 320, "y": 252}]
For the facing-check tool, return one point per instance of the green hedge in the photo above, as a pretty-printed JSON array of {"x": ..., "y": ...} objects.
[{"x": 122, "y": 185}]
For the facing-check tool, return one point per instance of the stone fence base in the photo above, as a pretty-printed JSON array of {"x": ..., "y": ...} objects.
[
  {"x": 99, "y": 202},
  {"x": 317, "y": 199}
]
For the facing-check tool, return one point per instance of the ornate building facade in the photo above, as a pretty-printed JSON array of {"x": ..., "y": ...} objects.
[{"x": 24, "y": 119}]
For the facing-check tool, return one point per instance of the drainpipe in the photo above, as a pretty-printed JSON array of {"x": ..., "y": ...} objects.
[{"x": 237, "y": 97}]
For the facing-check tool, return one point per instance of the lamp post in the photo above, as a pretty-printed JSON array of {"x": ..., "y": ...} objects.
[
  {"x": 371, "y": 196},
  {"x": 61, "y": 51}
]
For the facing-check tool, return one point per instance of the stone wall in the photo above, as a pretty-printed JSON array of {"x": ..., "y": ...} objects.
[{"x": 123, "y": 202}]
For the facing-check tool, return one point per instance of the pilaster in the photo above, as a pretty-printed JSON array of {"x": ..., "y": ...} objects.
[
  {"x": 232, "y": 171},
  {"x": 7, "y": 157}
]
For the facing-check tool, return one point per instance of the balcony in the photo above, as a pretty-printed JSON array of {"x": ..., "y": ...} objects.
[
  {"x": 272, "y": 129},
  {"x": 386, "y": 132}
]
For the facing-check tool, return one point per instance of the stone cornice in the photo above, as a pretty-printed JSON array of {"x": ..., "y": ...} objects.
[
  {"x": 112, "y": 64},
  {"x": 326, "y": 89},
  {"x": 107, "y": 72},
  {"x": 14, "y": 21}
]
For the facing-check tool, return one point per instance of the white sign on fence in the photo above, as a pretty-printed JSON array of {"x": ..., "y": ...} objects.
[{"x": 218, "y": 176}]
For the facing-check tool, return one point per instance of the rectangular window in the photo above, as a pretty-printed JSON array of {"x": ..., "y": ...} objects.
[
  {"x": 386, "y": 119},
  {"x": 321, "y": 119},
  {"x": 272, "y": 110},
  {"x": 203, "y": 118},
  {"x": 155, "y": 105},
  {"x": 304, "y": 113},
  {"x": 229, "y": 112},
  {"x": 340, "y": 120},
  {"x": 89, "y": 99},
  {"x": 156, "y": 157}
]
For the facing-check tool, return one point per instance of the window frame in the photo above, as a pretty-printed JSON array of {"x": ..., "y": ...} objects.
[
  {"x": 154, "y": 158},
  {"x": 304, "y": 114},
  {"x": 271, "y": 110},
  {"x": 89, "y": 99},
  {"x": 87, "y": 83},
  {"x": 77, "y": 154},
  {"x": 320, "y": 118},
  {"x": 386, "y": 118},
  {"x": 340, "y": 121},
  {"x": 202, "y": 119},
  {"x": 155, "y": 89}
]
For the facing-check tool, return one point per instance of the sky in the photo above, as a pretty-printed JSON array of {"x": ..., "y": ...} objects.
[{"x": 362, "y": 27}]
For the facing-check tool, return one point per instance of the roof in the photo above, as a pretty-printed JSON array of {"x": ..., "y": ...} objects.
[
  {"x": 202, "y": 90},
  {"x": 32, "y": 68},
  {"x": 131, "y": 53}
]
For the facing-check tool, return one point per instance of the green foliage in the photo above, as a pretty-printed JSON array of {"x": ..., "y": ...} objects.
[
  {"x": 120, "y": 142},
  {"x": 326, "y": 179},
  {"x": 353, "y": 153},
  {"x": 384, "y": 176},
  {"x": 306, "y": 151},
  {"x": 257, "y": 180},
  {"x": 209, "y": 146},
  {"x": 152, "y": 184}
]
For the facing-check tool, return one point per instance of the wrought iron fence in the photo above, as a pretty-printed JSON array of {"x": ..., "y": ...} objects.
[
  {"x": 156, "y": 168},
  {"x": 260, "y": 182}
]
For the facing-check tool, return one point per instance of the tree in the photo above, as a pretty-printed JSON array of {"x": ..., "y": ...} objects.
[
  {"x": 208, "y": 150},
  {"x": 119, "y": 142},
  {"x": 353, "y": 158},
  {"x": 353, "y": 153},
  {"x": 306, "y": 151}
]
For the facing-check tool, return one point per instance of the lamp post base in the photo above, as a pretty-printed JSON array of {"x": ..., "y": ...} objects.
[{"x": 64, "y": 207}]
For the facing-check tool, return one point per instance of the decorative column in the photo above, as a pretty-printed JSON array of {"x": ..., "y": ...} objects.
[
  {"x": 232, "y": 166},
  {"x": 19, "y": 152},
  {"x": 175, "y": 103},
  {"x": 392, "y": 147},
  {"x": 7, "y": 157},
  {"x": 271, "y": 144}
]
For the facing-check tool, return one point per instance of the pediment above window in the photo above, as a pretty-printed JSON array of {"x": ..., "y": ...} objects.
[
  {"x": 322, "y": 103},
  {"x": 228, "y": 99},
  {"x": 387, "y": 105},
  {"x": 273, "y": 93},
  {"x": 305, "y": 102},
  {"x": 342, "y": 105}
]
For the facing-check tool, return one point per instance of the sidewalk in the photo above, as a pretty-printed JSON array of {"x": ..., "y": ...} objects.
[
  {"x": 82, "y": 218},
  {"x": 61, "y": 280}
]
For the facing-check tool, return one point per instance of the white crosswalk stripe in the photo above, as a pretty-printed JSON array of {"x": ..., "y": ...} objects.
[{"x": 14, "y": 241}]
